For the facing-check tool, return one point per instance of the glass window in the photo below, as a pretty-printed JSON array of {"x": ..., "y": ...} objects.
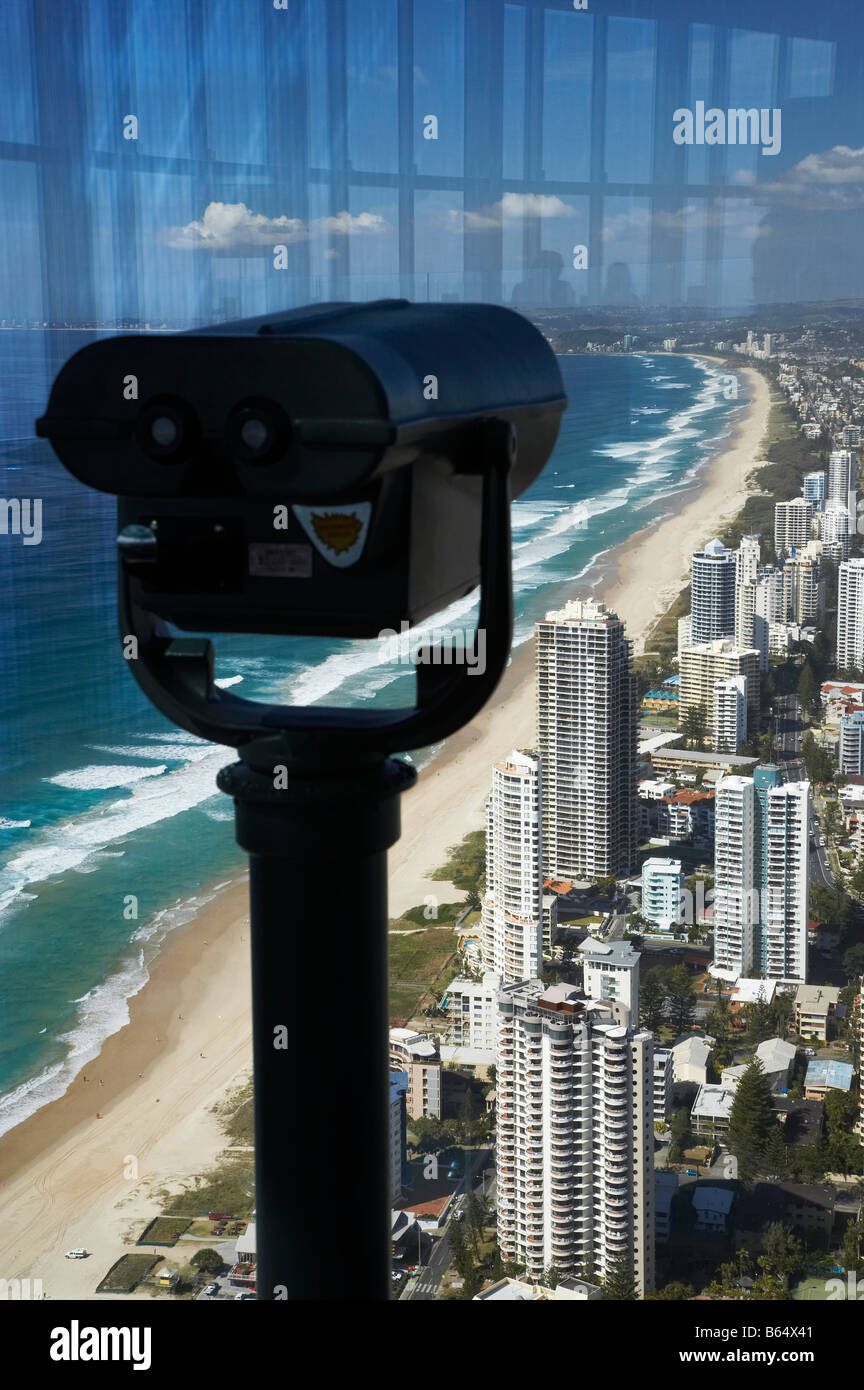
[
  {"x": 17, "y": 107},
  {"x": 630, "y": 64},
  {"x": 373, "y": 135},
  {"x": 235, "y": 82},
  {"x": 811, "y": 68},
  {"x": 20, "y": 261},
  {"x": 567, "y": 72},
  {"x": 160, "y": 78},
  {"x": 513, "y": 134},
  {"x": 753, "y": 62},
  {"x": 439, "y": 85},
  {"x": 371, "y": 243},
  {"x": 438, "y": 244},
  {"x": 319, "y": 84}
]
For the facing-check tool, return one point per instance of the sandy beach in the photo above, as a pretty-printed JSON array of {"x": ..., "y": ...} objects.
[{"x": 64, "y": 1173}]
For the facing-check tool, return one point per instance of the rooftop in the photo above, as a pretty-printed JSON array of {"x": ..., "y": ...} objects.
[
  {"x": 824, "y": 1071},
  {"x": 714, "y": 1102}
]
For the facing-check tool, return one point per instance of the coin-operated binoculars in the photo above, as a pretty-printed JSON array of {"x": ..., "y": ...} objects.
[{"x": 339, "y": 470}]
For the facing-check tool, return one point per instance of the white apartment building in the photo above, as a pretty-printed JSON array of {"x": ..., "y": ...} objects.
[
  {"x": 836, "y": 528},
  {"x": 851, "y": 744},
  {"x": 419, "y": 1056},
  {"x": 575, "y": 1147},
  {"x": 685, "y": 632},
  {"x": 663, "y": 1083},
  {"x": 587, "y": 708},
  {"x": 792, "y": 525},
  {"x": 803, "y": 585},
  {"x": 472, "y": 1012},
  {"x": 814, "y": 489},
  {"x": 511, "y": 918},
  {"x": 712, "y": 593},
  {"x": 610, "y": 972},
  {"x": 842, "y": 475},
  {"x": 662, "y": 891},
  {"x": 746, "y": 581},
  {"x": 703, "y": 666},
  {"x": 761, "y": 877},
  {"x": 730, "y": 714},
  {"x": 850, "y": 615}
]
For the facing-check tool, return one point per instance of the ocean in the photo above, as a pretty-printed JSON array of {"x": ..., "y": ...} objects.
[{"x": 111, "y": 830}]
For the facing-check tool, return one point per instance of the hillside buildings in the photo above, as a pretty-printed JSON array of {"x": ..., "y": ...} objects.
[
  {"x": 587, "y": 708},
  {"x": 575, "y": 1133}
]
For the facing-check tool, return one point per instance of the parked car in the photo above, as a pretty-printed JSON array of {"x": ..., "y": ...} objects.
[
  {"x": 691, "y": 1173},
  {"x": 211, "y": 1289},
  {"x": 809, "y": 1052},
  {"x": 79, "y": 1253}
]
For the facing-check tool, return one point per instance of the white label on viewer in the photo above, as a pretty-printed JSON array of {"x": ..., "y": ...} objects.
[{"x": 276, "y": 561}]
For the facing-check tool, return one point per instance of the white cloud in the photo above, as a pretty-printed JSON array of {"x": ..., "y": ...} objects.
[
  {"x": 512, "y": 208},
  {"x": 234, "y": 227},
  {"x": 830, "y": 179}
]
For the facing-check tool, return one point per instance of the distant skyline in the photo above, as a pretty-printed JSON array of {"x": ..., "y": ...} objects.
[{"x": 156, "y": 154}]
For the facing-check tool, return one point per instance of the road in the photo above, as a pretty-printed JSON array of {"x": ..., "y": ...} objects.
[
  {"x": 788, "y": 729},
  {"x": 426, "y": 1284}
]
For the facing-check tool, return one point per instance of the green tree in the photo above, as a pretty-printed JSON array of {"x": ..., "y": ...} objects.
[
  {"x": 818, "y": 763},
  {"x": 694, "y": 726},
  {"x": 750, "y": 1121},
  {"x": 783, "y": 1255},
  {"x": 652, "y": 999},
  {"x": 853, "y": 962},
  {"x": 681, "y": 998},
  {"x": 210, "y": 1261},
  {"x": 679, "y": 1134},
  {"x": 671, "y": 1293},
  {"x": 552, "y": 1276},
  {"x": 461, "y": 1256},
  {"x": 775, "y": 1155},
  {"x": 619, "y": 1286},
  {"x": 841, "y": 1111}
]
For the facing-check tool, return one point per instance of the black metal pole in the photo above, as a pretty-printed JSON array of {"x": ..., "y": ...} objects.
[{"x": 318, "y": 894}]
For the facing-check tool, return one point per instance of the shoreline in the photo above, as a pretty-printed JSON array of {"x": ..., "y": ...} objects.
[{"x": 196, "y": 999}]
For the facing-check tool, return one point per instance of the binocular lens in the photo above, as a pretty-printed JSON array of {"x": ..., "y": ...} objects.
[
  {"x": 164, "y": 431},
  {"x": 255, "y": 434},
  {"x": 167, "y": 430},
  {"x": 259, "y": 431}
]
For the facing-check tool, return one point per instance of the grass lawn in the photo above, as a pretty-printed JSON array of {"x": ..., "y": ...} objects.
[
  {"x": 163, "y": 1230},
  {"x": 126, "y": 1273},
  {"x": 417, "y": 962}
]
